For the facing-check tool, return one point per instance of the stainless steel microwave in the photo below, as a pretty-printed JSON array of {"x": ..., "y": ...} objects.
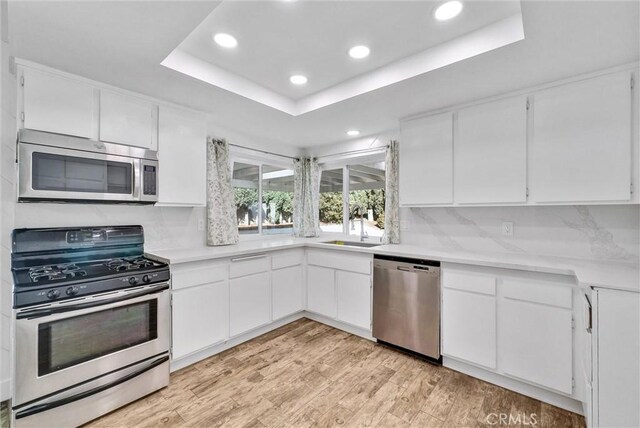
[{"x": 53, "y": 167}]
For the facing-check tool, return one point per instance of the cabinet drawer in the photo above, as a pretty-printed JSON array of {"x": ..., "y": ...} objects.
[
  {"x": 473, "y": 282},
  {"x": 189, "y": 277},
  {"x": 537, "y": 292},
  {"x": 341, "y": 261},
  {"x": 248, "y": 265},
  {"x": 285, "y": 259}
]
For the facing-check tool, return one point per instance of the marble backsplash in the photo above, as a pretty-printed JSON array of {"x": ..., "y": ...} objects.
[
  {"x": 164, "y": 227},
  {"x": 595, "y": 232}
]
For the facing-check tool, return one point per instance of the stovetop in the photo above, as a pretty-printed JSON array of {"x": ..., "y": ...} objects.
[
  {"x": 63, "y": 273},
  {"x": 69, "y": 263}
]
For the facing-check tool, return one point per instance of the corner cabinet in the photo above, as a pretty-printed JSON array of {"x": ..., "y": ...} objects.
[
  {"x": 58, "y": 104},
  {"x": 426, "y": 161},
  {"x": 339, "y": 287},
  {"x": 182, "y": 151}
]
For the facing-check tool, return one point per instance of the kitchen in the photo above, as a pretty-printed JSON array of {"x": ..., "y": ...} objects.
[{"x": 409, "y": 214}]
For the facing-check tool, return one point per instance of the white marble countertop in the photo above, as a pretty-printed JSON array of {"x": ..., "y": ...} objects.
[{"x": 615, "y": 275}]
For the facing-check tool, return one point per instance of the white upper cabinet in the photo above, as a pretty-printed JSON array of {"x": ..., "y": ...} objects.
[
  {"x": 490, "y": 153},
  {"x": 182, "y": 151},
  {"x": 581, "y": 148},
  {"x": 426, "y": 161},
  {"x": 58, "y": 104},
  {"x": 128, "y": 120}
]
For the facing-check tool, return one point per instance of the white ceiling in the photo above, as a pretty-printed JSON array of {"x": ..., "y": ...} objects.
[
  {"x": 123, "y": 43},
  {"x": 278, "y": 39}
]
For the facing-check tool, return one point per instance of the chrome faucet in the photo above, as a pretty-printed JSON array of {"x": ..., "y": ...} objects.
[{"x": 361, "y": 209}]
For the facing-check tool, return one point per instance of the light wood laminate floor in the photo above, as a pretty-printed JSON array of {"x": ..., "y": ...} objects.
[{"x": 307, "y": 374}]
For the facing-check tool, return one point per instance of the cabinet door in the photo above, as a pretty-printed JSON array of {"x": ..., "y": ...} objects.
[
  {"x": 617, "y": 374},
  {"x": 469, "y": 327},
  {"x": 287, "y": 286},
  {"x": 199, "y": 317},
  {"x": 250, "y": 298},
  {"x": 127, "y": 120},
  {"x": 182, "y": 150},
  {"x": 426, "y": 161},
  {"x": 490, "y": 153},
  {"x": 57, "y": 104},
  {"x": 581, "y": 148},
  {"x": 354, "y": 298},
  {"x": 321, "y": 291},
  {"x": 536, "y": 343}
]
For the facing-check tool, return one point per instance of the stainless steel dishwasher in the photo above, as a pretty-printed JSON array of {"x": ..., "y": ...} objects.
[{"x": 406, "y": 304}]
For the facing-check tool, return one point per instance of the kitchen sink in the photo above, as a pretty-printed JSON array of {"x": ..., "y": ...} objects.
[{"x": 353, "y": 244}]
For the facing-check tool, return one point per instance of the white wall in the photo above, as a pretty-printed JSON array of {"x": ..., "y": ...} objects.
[{"x": 602, "y": 232}]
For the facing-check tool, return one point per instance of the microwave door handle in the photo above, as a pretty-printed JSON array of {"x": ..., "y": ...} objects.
[
  {"x": 45, "y": 312},
  {"x": 53, "y": 404},
  {"x": 137, "y": 180}
]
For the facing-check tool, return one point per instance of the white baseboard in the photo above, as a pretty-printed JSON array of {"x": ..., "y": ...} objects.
[
  {"x": 230, "y": 343},
  {"x": 541, "y": 394}
]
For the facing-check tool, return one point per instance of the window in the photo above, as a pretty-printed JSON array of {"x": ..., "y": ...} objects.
[
  {"x": 246, "y": 186},
  {"x": 332, "y": 201},
  {"x": 366, "y": 199},
  {"x": 264, "y": 198},
  {"x": 277, "y": 200},
  {"x": 355, "y": 205}
]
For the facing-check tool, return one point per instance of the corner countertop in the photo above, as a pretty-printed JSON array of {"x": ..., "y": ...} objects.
[{"x": 614, "y": 275}]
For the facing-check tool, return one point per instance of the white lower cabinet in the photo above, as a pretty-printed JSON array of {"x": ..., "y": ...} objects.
[
  {"x": 354, "y": 298},
  {"x": 287, "y": 290},
  {"x": 199, "y": 317},
  {"x": 249, "y": 302},
  {"x": 518, "y": 325},
  {"x": 321, "y": 291},
  {"x": 616, "y": 371},
  {"x": 537, "y": 345},
  {"x": 469, "y": 326}
]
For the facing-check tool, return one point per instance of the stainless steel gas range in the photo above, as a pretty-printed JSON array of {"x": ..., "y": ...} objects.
[{"x": 92, "y": 323}]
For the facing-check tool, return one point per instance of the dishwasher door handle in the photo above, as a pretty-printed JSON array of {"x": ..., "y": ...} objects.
[{"x": 404, "y": 269}]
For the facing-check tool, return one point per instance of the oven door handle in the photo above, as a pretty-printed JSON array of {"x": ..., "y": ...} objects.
[
  {"x": 47, "y": 406},
  {"x": 45, "y": 312}
]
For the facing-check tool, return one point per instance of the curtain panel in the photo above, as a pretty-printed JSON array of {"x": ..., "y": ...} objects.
[
  {"x": 222, "y": 224},
  {"x": 392, "y": 197},
  {"x": 306, "y": 198}
]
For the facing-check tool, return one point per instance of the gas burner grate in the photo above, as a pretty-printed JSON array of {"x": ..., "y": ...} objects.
[
  {"x": 128, "y": 263},
  {"x": 56, "y": 272}
]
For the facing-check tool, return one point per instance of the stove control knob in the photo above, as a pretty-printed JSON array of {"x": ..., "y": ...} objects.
[
  {"x": 133, "y": 280},
  {"x": 146, "y": 278},
  {"x": 72, "y": 291},
  {"x": 53, "y": 294}
]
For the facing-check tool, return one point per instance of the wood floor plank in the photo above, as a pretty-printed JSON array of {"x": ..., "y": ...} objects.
[{"x": 307, "y": 374}]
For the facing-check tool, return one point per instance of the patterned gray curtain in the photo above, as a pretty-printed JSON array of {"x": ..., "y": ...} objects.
[
  {"x": 306, "y": 198},
  {"x": 391, "y": 200},
  {"x": 222, "y": 225}
]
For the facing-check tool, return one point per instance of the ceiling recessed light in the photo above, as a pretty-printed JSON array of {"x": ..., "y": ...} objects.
[
  {"x": 298, "y": 79},
  {"x": 359, "y": 52},
  {"x": 448, "y": 10},
  {"x": 225, "y": 40},
  {"x": 353, "y": 133}
]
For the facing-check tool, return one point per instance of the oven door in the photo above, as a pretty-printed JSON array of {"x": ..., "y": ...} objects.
[
  {"x": 61, "y": 345},
  {"x": 54, "y": 173}
]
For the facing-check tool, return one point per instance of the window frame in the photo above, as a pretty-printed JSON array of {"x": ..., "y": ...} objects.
[
  {"x": 343, "y": 163},
  {"x": 259, "y": 161}
]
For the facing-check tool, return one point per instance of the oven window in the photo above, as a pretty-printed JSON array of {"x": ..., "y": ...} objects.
[
  {"x": 76, "y": 174},
  {"x": 71, "y": 341}
]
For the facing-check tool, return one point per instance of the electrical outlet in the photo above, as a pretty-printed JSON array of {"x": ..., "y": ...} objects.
[
  {"x": 201, "y": 225},
  {"x": 507, "y": 228}
]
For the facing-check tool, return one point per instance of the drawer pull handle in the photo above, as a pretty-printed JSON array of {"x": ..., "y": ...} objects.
[{"x": 254, "y": 256}]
